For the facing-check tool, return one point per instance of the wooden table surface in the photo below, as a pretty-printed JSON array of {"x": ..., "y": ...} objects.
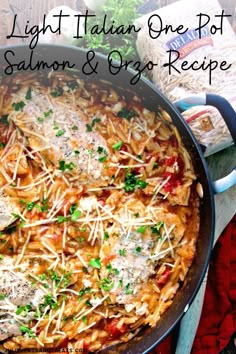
[{"x": 33, "y": 10}]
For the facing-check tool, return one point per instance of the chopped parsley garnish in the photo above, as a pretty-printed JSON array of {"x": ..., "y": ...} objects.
[
  {"x": 2, "y": 145},
  {"x": 80, "y": 239},
  {"x": 95, "y": 120},
  {"x": 83, "y": 229},
  {"x": 120, "y": 283},
  {"x": 40, "y": 119},
  {"x": 4, "y": 119},
  {"x": 84, "y": 319},
  {"x": 75, "y": 127},
  {"x": 18, "y": 106},
  {"x": 28, "y": 331},
  {"x": 76, "y": 214},
  {"x": 60, "y": 133},
  {"x": 106, "y": 236},
  {"x": 60, "y": 280},
  {"x": 83, "y": 291},
  {"x": 76, "y": 152},
  {"x": 63, "y": 166},
  {"x": 128, "y": 291},
  {"x": 73, "y": 84},
  {"x": 95, "y": 263},
  {"x": 126, "y": 113},
  {"x": 23, "y": 310},
  {"x": 136, "y": 215},
  {"x": 138, "y": 249},
  {"x": 2, "y": 296},
  {"x": 156, "y": 229},
  {"x": 122, "y": 253},
  {"x": 88, "y": 303},
  {"x": 29, "y": 205},
  {"x": 49, "y": 301},
  {"x": 102, "y": 159},
  {"x": 106, "y": 284},
  {"x": 142, "y": 229},
  {"x": 109, "y": 268},
  {"x": 91, "y": 126},
  {"x": 57, "y": 93},
  {"x": 10, "y": 230},
  {"x": 44, "y": 207},
  {"x": 112, "y": 270},
  {"x": 61, "y": 219},
  {"x": 132, "y": 181},
  {"x": 73, "y": 208},
  {"x": 28, "y": 95},
  {"x": 101, "y": 150},
  {"x": 1, "y": 256},
  {"x": 117, "y": 146},
  {"x": 47, "y": 114},
  {"x": 155, "y": 165},
  {"x": 43, "y": 277}
]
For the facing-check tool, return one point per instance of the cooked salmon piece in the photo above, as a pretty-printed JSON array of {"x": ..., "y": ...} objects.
[
  {"x": 16, "y": 291},
  {"x": 8, "y": 210},
  {"x": 67, "y": 138},
  {"x": 8, "y": 328}
]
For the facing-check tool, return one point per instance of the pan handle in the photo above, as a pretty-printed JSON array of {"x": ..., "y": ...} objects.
[{"x": 229, "y": 116}]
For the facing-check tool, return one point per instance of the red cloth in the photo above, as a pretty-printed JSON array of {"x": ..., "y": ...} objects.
[{"x": 218, "y": 319}]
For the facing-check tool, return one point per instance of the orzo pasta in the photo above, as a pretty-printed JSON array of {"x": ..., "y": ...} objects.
[{"x": 98, "y": 213}]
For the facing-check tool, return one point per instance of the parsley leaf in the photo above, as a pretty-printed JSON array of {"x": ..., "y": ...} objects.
[
  {"x": 66, "y": 166},
  {"x": 4, "y": 119},
  {"x": 126, "y": 113},
  {"x": 128, "y": 291},
  {"x": 60, "y": 132},
  {"x": 76, "y": 214},
  {"x": 73, "y": 84},
  {"x": 47, "y": 114},
  {"x": 28, "y": 95},
  {"x": 106, "y": 236},
  {"x": 156, "y": 229},
  {"x": 27, "y": 330},
  {"x": 61, "y": 219},
  {"x": 122, "y": 253},
  {"x": 18, "y": 106},
  {"x": 95, "y": 263},
  {"x": 132, "y": 181},
  {"x": 23, "y": 310},
  {"x": 142, "y": 229},
  {"x": 118, "y": 145},
  {"x": 89, "y": 128},
  {"x": 57, "y": 93},
  {"x": 106, "y": 284}
]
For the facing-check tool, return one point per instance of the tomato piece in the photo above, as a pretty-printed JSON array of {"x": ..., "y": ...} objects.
[
  {"x": 115, "y": 332},
  {"x": 163, "y": 278},
  {"x": 170, "y": 161},
  {"x": 173, "y": 141},
  {"x": 85, "y": 347},
  {"x": 108, "y": 259},
  {"x": 64, "y": 343},
  {"x": 124, "y": 147}
]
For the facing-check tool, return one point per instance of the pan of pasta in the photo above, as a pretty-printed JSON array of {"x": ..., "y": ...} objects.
[{"x": 106, "y": 211}]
